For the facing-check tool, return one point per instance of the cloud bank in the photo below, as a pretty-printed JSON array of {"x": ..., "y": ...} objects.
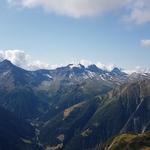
[
  {"x": 137, "y": 11},
  {"x": 23, "y": 60},
  {"x": 145, "y": 43},
  {"x": 75, "y": 8}
]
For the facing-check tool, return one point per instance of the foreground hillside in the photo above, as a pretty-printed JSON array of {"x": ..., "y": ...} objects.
[
  {"x": 124, "y": 109},
  {"x": 15, "y": 134},
  {"x": 127, "y": 142}
]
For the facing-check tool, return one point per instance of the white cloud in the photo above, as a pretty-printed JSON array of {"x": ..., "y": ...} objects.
[
  {"x": 85, "y": 62},
  {"x": 137, "y": 11},
  {"x": 75, "y": 8},
  {"x": 145, "y": 43},
  {"x": 23, "y": 60},
  {"x": 138, "y": 69},
  {"x": 108, "y": 67}
]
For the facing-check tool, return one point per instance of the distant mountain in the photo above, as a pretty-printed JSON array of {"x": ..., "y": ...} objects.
[
  {"x": 12, "y": 76},
  {"x": 69, "y": 71}
]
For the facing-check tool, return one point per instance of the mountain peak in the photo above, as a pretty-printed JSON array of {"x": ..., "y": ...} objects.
[
  {"x": 117, "y": 71},
  {"x": 6, "y": 62},
  {"x": 94, "y": 68},
  {"x": 6, "y": 66}
]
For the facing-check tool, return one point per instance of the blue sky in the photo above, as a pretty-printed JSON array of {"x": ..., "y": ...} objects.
[{"x": 56, "y": 38}]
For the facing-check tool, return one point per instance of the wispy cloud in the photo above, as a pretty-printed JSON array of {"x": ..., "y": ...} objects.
[
  {"x": 75, "y": 8},
  {"x": 137, "y": 11},
  {"x": 137, "y": 69},
  {"x": 145, "y": 43}
]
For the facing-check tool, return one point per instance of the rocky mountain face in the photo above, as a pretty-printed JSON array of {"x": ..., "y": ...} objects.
[
  {"x": 74, "y": 107},
  {"x": 125, "y": 109}
]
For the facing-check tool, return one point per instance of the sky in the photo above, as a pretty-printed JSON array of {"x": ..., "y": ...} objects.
[{"x": 49, "y": 33}]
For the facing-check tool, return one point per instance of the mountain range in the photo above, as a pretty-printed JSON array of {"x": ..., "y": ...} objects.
[{"x": 70, "y": 108}]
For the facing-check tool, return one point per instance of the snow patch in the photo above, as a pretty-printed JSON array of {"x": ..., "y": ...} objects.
[{"x": 49, "y": 76}]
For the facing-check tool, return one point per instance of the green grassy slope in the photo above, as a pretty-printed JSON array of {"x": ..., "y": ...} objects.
[{"x": 128, "y": 142}]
